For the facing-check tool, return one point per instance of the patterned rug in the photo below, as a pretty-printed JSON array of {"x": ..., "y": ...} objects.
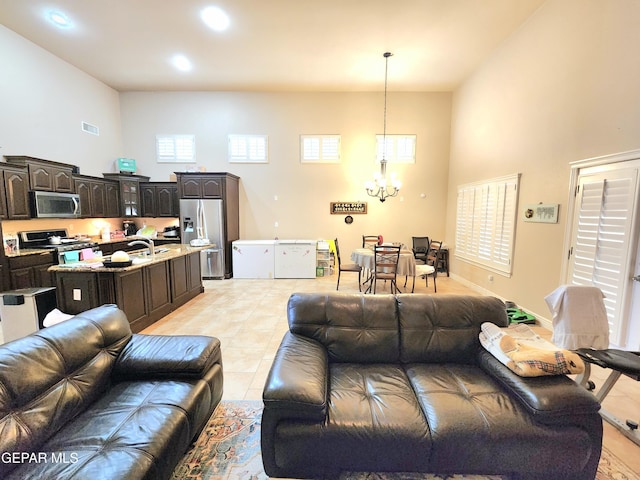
[{"x": 229, "y": 449}]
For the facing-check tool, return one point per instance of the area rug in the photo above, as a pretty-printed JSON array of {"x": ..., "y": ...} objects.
[{"x": 229, "y": 449}]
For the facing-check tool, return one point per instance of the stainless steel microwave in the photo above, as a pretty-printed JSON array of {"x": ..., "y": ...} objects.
[{"x": 54, "y": 205}]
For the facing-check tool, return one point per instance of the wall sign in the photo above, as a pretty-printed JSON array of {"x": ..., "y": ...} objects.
[
  {"x": 340, "y": 208},
  {"x": 541, "y": 213}
]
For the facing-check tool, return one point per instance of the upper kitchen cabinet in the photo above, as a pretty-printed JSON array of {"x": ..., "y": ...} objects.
[
  {"x": 202, "y": 185},
  {"x": 98, "y": 197},
  {"x": 45, "y": 175},
  {"x": 14, "y": 193},
  {"x": 130, "y": 200},
  {"x": 159, "y": 199}
]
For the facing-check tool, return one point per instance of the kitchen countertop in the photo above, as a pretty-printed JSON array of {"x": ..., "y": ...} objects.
[
  {"x": 174, "y": 250},
  {"x": 131, "y": 238},
  {"x": 38, "y": 251},
  {"x": 29, "y": 251}
]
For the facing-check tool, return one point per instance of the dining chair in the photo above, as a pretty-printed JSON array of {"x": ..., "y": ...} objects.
[
  {"x": 420, "y": 248},
  {"x": 370, "y": 241},
  {"x": 386, "y": 265},
  {"x": 348, "y": 267},
  {"x": 431, "y": 264}
]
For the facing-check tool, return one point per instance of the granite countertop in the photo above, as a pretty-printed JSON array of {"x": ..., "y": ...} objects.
[
  {"x": 39, "y": 251},
  {"x": 167, "y": 252},
  {"x": 131, "y": 238},
  {"x": 29, "y": 251}
]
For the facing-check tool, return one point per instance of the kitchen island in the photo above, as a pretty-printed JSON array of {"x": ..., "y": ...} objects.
[{"x": 147, "y": 290}]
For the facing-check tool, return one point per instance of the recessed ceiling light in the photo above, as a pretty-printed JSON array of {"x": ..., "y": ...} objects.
[
  {"x": 181, "y": 62},
  {"x": 215, "y": 18},
  {"x": 59, "y": 19}
]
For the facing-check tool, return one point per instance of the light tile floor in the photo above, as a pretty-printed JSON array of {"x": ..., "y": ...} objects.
[{"x": 249, "y": 318}]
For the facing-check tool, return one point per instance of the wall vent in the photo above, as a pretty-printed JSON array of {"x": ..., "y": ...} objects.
[{"x": 92, "y": 129}]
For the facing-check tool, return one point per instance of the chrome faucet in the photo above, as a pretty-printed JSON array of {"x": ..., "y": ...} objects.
[{"x": 147, "y": 242}]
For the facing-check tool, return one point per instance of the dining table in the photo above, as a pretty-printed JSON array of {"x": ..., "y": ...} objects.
[{"x": 365, "y": 257}]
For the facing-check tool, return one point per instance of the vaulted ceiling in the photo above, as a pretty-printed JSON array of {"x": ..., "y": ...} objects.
[{"x": 273, "y": 45}]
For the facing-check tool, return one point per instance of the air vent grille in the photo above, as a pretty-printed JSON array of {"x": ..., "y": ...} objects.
[{"x": 92, "y": 129}]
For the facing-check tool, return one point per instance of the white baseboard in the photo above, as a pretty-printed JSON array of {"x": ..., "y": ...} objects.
[{"x": 541, "y": 320}]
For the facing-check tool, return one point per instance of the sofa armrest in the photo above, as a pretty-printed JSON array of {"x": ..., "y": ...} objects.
[
  {"x": 297, "y": 383},
  {"x": 167, "y": 356},
  {"x": 548, "y": 399}
]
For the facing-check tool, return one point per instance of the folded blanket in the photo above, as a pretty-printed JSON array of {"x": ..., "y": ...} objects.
[{"x": 526, "y": 353}]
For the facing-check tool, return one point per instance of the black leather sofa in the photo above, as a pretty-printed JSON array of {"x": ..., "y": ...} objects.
[
  {"x": 87, "y": 399},
  {"x": 366, "y": 383}
]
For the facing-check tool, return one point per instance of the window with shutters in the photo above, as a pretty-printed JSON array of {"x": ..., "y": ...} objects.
[
  {"x": 601, "y": 238},
  {"x": 398, "y": 149},
  {"x": 320, "y": 148},
  {"x": 248, "y": 149},
  {"x": 485, "y": 223},
  {"x": 176, "y": 148}
]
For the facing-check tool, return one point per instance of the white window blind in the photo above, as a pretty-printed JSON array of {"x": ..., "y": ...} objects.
[
  {"x": 248, "y": 148},
  {"x": 485, "y": 222},
  {"x": 320, "y": 148},
  {"x": 399, "y": 148},
  {"x": 601, "y": 238},
  {"x": 175, "y": 148}
]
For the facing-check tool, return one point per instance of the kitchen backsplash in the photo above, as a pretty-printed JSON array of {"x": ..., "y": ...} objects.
[{"x": 83, "y": 226}]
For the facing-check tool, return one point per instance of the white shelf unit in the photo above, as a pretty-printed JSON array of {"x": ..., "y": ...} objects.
[{"x": 324, "y": 259}]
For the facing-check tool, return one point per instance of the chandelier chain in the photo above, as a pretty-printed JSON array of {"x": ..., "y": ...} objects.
[{"x": 379, "y": 186}]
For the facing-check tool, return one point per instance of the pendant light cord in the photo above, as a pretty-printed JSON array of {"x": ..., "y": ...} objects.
[{"x": 386, "y": 55}]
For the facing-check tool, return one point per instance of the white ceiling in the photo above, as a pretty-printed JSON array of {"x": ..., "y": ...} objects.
[{"x": 274, "y": 45}]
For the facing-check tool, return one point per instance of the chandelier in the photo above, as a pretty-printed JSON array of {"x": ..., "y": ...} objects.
[{"x": 379, "y": 187}]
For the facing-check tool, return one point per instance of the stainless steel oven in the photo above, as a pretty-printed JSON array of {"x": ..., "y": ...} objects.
[{"x": 67, "y": 249}]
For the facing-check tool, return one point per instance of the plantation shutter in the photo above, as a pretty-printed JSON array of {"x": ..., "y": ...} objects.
[
  {"x": 485, "y": 222},
  {"x": 601, "y": 238},
  {"x": 248, "y": 148},
  {"x": 320, "y": 148}
]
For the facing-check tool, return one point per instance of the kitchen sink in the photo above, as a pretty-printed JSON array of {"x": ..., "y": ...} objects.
[{"x": 140, "y": 260}]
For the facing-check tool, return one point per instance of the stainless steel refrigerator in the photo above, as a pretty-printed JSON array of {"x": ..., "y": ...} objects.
[{"x": 202, "y": 224}]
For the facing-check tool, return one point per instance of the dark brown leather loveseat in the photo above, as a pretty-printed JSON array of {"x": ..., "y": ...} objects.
[
  {"x": 87, "y": 399},
  {"x": 366, "y": 383}
]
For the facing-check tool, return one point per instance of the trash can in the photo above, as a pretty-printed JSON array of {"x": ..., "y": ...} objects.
[{"x": 22, "y": 311}]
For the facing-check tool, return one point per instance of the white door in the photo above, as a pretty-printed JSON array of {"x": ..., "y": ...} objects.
[{"x": 604, "y": 242}]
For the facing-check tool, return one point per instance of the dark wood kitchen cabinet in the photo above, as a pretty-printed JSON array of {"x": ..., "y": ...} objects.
[
  {"x": 145, "y": 293},
  {"x": 129, "y": 192},
  {"x": 186, "y": 278},
  {"x": 46, "y": 175},
  {"x": 28, "y": 271},
  {"x": 15, "y": 196},
  {"x": 98, "y": 197},
  {"x": 159, "y": 199},
  {"x": 201, "y": 185},
  {"x": 112, "y": 199}
]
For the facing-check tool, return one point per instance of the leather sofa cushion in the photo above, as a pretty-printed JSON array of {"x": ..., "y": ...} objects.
[
  {"x": 52, "y": 376},
  {"x": 474, "y": 422},
  {"x": 353, "y": 328},
  {"x": 297, "y": 382},
  {"x": 445, "y": 328},
  {"x": 137, "y": 430},
  {"x": 157, "y": 356},
  {"x": 372, "y": 412}
]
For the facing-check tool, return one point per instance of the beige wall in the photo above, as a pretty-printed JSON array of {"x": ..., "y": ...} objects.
[
  {"x": 305, "y": 191},
  {"x": 565, "y": 87},
  {"x": 43, "y": 101}
]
